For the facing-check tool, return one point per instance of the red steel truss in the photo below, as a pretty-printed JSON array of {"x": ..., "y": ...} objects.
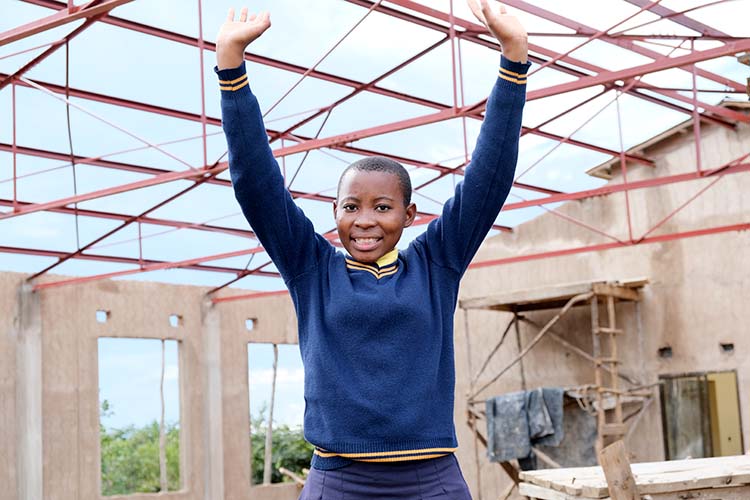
[{"x": 454, "y": 31}]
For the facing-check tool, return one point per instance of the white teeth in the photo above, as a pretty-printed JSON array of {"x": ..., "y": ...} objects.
[{"x": 365, "y": 240}]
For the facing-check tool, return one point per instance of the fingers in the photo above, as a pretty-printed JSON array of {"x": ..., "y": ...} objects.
[
  {"x": 264, "y": 19},
  {"x": 243, "y": 15},
  {"x": 230, "y": 15},
  {"x": 252, "y": 17},
  {"x": 477, "y": 11}
]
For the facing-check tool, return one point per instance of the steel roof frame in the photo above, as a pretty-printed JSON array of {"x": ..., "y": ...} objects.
[{"x": 454, "y": 31}]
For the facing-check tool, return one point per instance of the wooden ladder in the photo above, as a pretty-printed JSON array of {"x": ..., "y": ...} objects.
[{"x": 610, "y": 425}]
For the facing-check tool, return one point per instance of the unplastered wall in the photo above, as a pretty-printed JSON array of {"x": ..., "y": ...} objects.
[
  {"x": 9, "y": 284},
  {"x": 695, "y": 299},
  {"x": 213, "y": 370},
  {"x": 70, "y": 372}
]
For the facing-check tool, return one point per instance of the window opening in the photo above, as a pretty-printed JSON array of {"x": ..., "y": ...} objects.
[
  {"x": 701, "y": 415},
  {"x": 276, "y": 384},
  {"x": 139, "y": 421}
]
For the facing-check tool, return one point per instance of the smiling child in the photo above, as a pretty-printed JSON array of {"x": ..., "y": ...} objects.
[{"x": 375, "y": 324}]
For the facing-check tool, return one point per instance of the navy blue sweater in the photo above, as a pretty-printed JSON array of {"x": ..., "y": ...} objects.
[{"x": 376, "y": 339}]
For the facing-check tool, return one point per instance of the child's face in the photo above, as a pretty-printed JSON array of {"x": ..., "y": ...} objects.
[{"x": 370, "y": 214}]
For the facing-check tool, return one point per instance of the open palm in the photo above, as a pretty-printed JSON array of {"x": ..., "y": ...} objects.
[
  {"x": 507, "y": 29},
  {"x": 245, "y": 30},
  {"x": 235, "y": 36}
]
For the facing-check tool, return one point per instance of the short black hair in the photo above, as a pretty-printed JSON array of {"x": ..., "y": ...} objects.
[{"x": 381, "y": 164}]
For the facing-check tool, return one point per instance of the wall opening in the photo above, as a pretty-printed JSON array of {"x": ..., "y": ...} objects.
[
  {"x": 175, "y": 320},
  {"x": 139, "y": 420},
  {"x": 701, "y": 415},
  {"x": 276, "y": 385},
  {"x": 102, "y": 316}
]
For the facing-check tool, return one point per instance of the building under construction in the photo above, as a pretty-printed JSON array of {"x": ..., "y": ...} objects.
[{"x": 617, "y": 270}]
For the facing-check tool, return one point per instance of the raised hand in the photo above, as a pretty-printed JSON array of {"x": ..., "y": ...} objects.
[
  {"x": 235, "y": 36},
  {"x": 507, "y": 29}
]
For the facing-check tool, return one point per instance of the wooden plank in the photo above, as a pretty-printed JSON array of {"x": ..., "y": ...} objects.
[
  {"x": 615, "y": 290},
  {"x": 533, "y": 491},
  {"x": 652, "y": 478},
  {"x": 506, "y": 301},
  {"x": 616, "y": 466},
  {"x": 731, "y": 493},
  {"x": 614, "y": 429}
]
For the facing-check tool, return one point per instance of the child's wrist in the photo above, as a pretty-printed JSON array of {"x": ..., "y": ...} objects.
[
  {"x": 516, "y": 49},
  {"x": 229, "y": 54}
]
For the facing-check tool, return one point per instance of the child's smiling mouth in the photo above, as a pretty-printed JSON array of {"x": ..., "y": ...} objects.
[{"x": 365, "y": 244}]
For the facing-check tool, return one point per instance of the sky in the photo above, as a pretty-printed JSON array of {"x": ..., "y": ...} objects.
[{"x": 110, "y": 60}]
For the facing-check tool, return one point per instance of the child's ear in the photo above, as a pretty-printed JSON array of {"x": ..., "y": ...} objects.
[
  {"x": 411, "y": 214},
  {"x": 335, "y": 206}
]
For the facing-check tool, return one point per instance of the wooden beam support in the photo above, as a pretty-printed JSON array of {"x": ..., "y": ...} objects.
[{"x": 616, "y": 466}]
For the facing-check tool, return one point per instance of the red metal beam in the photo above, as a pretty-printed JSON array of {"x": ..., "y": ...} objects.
[
  {"x": 57, "y": 19},
  {"x": 131, "y": 186},
  {"x": 128, "y": 260},
  {"x": 473, "y": 29},
  {"x": 724, "y": 170},
  {"x": 405, "y": 3},
  {"x": 716, "y": 110},
  {"x": 631, "y": 186},
  {"x": 682, "y": 19},
  {"x": 610, "y": 246},
  {"x": 299, "y": 69},
  {"x": 626, "y": 74},
  {"x": 154, "y": 181},
  {"x": 544, "y": 255},
  {"x": 148, "y": 267},
  {"x": 585, "y": 82},
  {"x": 622, "y": 42},
  {"x": 276, "y": 134},
  {"x": 241, "y": 233}
]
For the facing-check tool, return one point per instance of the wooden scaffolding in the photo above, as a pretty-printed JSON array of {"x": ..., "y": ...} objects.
[{"x": 606, "y": 392}]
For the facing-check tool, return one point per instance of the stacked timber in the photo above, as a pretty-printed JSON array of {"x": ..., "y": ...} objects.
[{"x": 720, "y": 478}]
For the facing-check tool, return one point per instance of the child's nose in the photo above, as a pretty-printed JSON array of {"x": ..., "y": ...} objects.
[{"x": 365, "y": 219}]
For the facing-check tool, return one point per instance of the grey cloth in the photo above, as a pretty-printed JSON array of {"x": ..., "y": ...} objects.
[{"x": 519, "y": 420}]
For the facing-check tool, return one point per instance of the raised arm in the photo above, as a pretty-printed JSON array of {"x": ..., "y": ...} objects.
[
  {"x": 453, "y": 238},
  {"x": 286, "y": 234}
]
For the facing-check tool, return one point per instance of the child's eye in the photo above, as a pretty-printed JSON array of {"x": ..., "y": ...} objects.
[
  {"x": 349, "y": 207},
  {"x": 382, "y": 208}
]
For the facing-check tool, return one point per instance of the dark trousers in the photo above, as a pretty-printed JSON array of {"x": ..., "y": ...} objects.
[{"x": 436, "y": 479}]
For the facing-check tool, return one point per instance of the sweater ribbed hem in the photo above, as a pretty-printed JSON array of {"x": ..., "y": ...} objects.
[{"x": 337, "y": 455}]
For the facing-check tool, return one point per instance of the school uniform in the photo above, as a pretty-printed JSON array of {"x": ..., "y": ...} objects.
[{"x": 376, "y": 338}]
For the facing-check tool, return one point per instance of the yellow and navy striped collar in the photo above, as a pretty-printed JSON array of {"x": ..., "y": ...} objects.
[
  {"x": 512, "y": 76},
  {"x": 384, "y": 266}
]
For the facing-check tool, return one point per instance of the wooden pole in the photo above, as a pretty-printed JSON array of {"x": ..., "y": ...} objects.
[
  {"x": 616, "y": 467},
  {"x": 267, "y": 469},
  {"x": 164, "y": 485}
]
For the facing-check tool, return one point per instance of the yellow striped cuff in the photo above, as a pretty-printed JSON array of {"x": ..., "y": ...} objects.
[
  {"x": 512, "y": 76},
  {"x": 235, "y": 84}
]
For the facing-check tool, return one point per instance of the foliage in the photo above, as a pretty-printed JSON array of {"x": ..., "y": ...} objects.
[
  {"x": 290, "y": 450},
  {"x": 130, "y": 457}
]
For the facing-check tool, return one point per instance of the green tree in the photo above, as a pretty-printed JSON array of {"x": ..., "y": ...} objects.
[
  {"x": 130, "y": 457},
  {"x": 290, "y": 450}
]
